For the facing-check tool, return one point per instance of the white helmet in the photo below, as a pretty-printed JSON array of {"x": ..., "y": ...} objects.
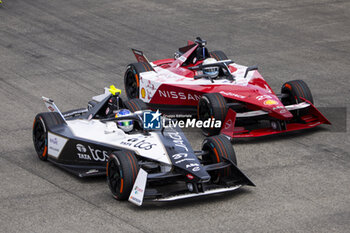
[{"x": 212, "y": 71}]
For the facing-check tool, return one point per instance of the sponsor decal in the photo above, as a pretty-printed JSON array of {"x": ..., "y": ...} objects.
[
  {"x": 151, "y": 120},
  {"x": 228, "y": 124},
  {"x": 283, "y": 111},
  {"x": 92, "y": 171},
  {"x": 195, "y": 166},
  {"x": 192, "y": 165},
  {"x": 55, "y": 144},
  {"x": 107, "y": 111},
  {"x": 135, "y": 199},
  {"x": 98, "y": 155},
  {"x": 51, "y": 108},
  {"x": 196, "y": 169},
  {"x": 179, "y": 95},
  {"x": 263, "y": 97},
  {"x": 179, "y": 156},
  {"x": 183, "y": 160},
  {"x": 150, "y": 88},
  {"x": 177, "y": 139},
  {"x": 95, "y": 154},
  {"x": 143, "y": 144},
  {"x": 81, "y": 148},
  {"x": 232, "y": 94},
  {"x": 53, "y": 140},
  {"x": 138, "y": 189},
  {"x": 182, "y": 58},
  {"x": 129, "y": 142},
  {"x": 270, "y": 102},
  {"x": 84, "y": 156}
]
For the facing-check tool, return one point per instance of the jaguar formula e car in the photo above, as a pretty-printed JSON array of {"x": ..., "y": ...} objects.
[
  {"x": 209, "y": 85},
  {"x": 141, "y": 163}
]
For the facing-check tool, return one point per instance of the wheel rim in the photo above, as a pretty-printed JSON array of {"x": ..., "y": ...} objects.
[
  {"x": 114, "y": 177},
  {"x": 39, "y": 137},
  {"x": 131, "y": 85}
]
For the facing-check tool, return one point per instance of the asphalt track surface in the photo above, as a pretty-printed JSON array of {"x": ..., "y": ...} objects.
[{"x": 70, "y": 50}]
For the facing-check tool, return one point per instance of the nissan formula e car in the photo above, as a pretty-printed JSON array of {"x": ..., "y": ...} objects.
[
  {"x": 142, "y": 163},
  {"x": 209, "y": 85}
]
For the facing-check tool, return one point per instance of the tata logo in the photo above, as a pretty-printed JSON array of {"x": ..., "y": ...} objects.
[
  {"x": 81, "y": 148},
  {"x": 151, "y": 120},
  {"x": 95, "y": 154}
]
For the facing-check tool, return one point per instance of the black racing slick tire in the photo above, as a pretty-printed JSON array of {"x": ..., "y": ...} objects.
[
  {"x": 135, "y": 105},
  {"x": 218, "y": 55},
  {"x": 212, "y": 106},
  {"x": 296, "y": 90},
  {"x": 122, "y": 170},
  {"x": 132, "y": 78},
  {"x": 42, "y": 123},
  {"x": 219, "y": 147}
]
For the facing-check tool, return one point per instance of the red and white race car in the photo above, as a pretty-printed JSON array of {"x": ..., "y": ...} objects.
[{"x": 209, "y": 85}]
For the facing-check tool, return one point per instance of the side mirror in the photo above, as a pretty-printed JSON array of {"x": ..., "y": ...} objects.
[{"x": 250, "y": 68}]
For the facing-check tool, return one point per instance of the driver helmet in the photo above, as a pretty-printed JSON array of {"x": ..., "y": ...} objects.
[
  {"x": 125, "y": 125},
  {"x": 212, "y": 71}
]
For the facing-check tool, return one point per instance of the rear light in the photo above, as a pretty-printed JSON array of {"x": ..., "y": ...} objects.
[{"x": 189, "y": 176}]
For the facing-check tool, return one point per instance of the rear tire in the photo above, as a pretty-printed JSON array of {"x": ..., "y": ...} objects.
[
  {"x": 42, "y": 123},
  {"x": 135, "y": 105},
  {"x": 212, "y": 105},
  {"x": 218, "y": 55},
  {"x": 296, "y": 89},
  {"x": 122, "y": 170},
  {"x": 132, "y": 78},
  {"x": 219, "y": 146}
]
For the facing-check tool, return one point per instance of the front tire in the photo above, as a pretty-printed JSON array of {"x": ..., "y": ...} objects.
[
  {"x": 219, "y": 147},
  {"x": 296, "y": 90},
  {"x": 122, "y": 170},
  {"x": 135, "y": 105},
  {"x": 212, "y": 106}
]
